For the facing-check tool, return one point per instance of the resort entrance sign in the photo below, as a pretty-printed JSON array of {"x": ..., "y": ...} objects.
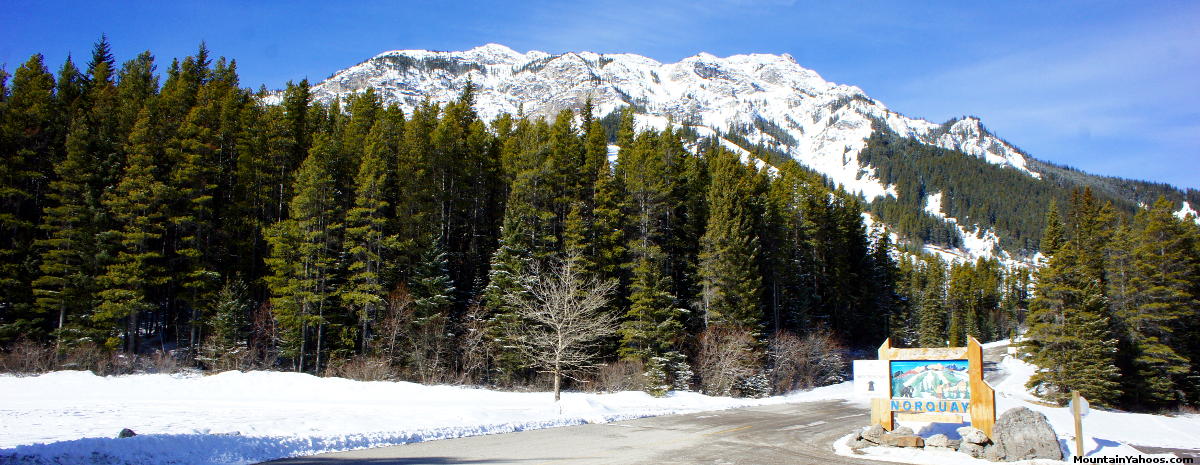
[{"x": 942, "y": 384}]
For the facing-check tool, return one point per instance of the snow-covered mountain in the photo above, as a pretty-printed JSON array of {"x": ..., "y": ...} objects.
[
  {"x": 821, "y": 124},
  {"x": 769, "y": 99}
]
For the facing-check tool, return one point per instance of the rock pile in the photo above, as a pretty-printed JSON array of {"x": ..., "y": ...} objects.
[{"x": 1020, "y": 434}]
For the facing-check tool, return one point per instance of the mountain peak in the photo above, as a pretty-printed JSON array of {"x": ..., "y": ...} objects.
[{"x": 494, "y": 48}]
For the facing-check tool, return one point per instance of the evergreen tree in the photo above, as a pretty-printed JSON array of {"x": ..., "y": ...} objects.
[
  {"x": 791, "y": 269},
  {"x": 69, "y": 89},
  {"x": 595, "y": 156},
  {"x": 255, "y": 178},
  {"x": 1068, "y": 336},
  {"x": 609, "y": 227},
  {"x": 69, "y": 261},
  {"x": 731, "y": 283},
  {"x": 931, "y": 313},
  {"x": 885, "y": 277},
  {"x": 414, "y": 189},
  {"x": 304, "y": 252},
  {"x": 563, "y": 168},
  {"x": 28, "y": 127},
  {"x": 101, "y": 139},
  {"x": 652, "y": 327},
  {"x": 370, "y": 239},
  {"x": 1188, "y": 334},
  {"x": 1163, "y": 281},
  {"x": 432, "y": 292},
  {"x": 136, "y": 84},
  {"x": 194, "y": 181},
  {"x": 1053, "y": 235},
  {"x": 228, "y": 336},
  {"x": 297, "y": 128},
  {"x": 138, "y": 207},
  {"x": 1017, "y": 290},
  {"x": 527, "y": 235},
  {"x": 652, "y": 330},
  {"x": 577, "y": 239}
]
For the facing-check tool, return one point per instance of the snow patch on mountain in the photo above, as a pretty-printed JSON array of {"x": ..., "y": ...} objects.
[
  {"x": 976, "y": 241},
  {"x": 1186, "y": 210},
  {"x": 933, "y": 205}
]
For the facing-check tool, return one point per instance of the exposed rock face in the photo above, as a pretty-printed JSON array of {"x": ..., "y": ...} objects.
[
  {"x": 1022, "y": 434},
  {"x": 775, "y": 100},
  {"x": 126, "y": 433}
]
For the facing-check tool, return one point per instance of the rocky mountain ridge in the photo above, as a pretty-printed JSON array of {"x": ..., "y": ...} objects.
[{"x": 767, "y": 100}]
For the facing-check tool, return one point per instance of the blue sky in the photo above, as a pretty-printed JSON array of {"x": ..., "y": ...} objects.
[{"x": 1108, "y": 87}]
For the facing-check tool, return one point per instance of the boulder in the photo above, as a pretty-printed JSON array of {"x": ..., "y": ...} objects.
[
  {"x": 953, "y": 443},
  {"x": 937, "y": 440},
  {"x": 903, "y": 430},
  {"x": 126, "y": 433},
  {"x": 972, "y": 435},
  {"x": 874, "y": 434},
  {"x": 860, "y": 444},
  {"x": 903, "y": 440},
  {"x": 1023, "y": 434},
  {"x": 972, "y": 449},
  {"x": 992, "y": 454}
]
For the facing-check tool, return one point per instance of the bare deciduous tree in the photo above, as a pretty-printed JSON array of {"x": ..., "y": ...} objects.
[
  {"x": 419, "y": 344},
  {"x": 726, "y": 356},
  {"x": 392, "y": 326},
  {"x": 562, "y": 319},
  {"x": 473, "y": 345},
  {"x": 805, "y": 362}
]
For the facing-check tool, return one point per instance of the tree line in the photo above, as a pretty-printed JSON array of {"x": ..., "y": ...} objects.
[{"x": 194, "y": 217}]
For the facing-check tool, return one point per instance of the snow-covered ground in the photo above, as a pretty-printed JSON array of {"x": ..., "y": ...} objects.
[
  {"x": 1106, "y": 433},
  {"x": 73, "y": 417}
]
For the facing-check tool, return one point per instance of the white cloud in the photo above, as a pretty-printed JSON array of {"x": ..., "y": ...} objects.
[{"x": 1136, "y": 82}]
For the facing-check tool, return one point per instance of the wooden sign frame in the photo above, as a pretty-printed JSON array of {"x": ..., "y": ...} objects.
[{"x": 983, "y": 398}]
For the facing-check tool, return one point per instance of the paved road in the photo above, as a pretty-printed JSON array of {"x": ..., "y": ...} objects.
[
  {"x": 776, "y": 434},
  {"x": 783, "y": 434}
]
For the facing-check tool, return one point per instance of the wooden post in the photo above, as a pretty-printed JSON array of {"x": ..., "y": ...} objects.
[
  {"x": 881, "y": 409},
  {"x": 881, "y": 413},
  {"x": 983, "y": 397},
  {"x": 1075, "y": 406}
]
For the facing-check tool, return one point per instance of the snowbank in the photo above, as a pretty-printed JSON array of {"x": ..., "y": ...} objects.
[{"x": 72, "y": 417}]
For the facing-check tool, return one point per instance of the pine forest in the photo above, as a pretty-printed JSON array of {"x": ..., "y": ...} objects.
[{"x": 148, "y": 216}]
